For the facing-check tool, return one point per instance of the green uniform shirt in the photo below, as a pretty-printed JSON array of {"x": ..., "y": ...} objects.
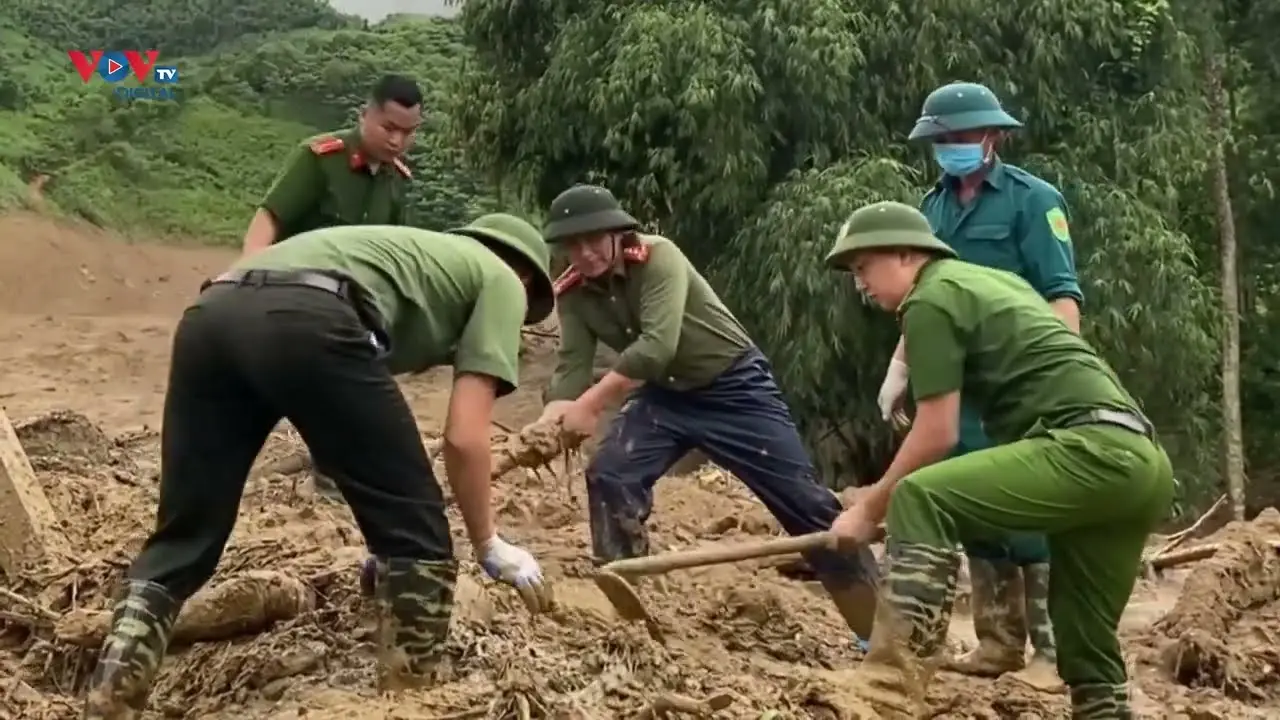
[
  {"x": 657, "y": 312},
  {"x": 1017, "y": 222},
  {"x": 990, "y": 333},
  {"x": 445, "y": 299},
  {"x": 326, "y": 182}
]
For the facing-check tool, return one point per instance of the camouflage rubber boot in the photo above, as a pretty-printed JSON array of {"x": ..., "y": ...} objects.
[
  {"x": 911, "y": 622},
  {"x": 1042, "y": 672},
  {"x": 141, "y": 625},
  {"x": 415, "y": 602},
  {"x": 999, "y": 619},
  {"x": 1100, "y": 702}
]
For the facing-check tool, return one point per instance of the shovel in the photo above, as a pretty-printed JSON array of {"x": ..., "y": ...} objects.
[{"x": 622, "y": 595}]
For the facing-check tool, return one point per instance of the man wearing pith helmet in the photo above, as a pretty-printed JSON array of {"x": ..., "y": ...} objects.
[
  {"x": 1071, "y": 457},
  {"x": 1000, "y": 216},
  {"x": 693, "y": 379}
]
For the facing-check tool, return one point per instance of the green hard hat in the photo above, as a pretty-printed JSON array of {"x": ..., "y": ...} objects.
[
  {"x": 516, "y": 234},
  {"x": 961, "y": 106},
  {"x": 884, "y": 225},
  {"x": 584, "y": 209}
]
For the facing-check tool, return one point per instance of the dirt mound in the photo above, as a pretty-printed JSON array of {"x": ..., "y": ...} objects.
[
  {"x": 49, "y": 267},
  {"x": 1224, "y": 631},
  {"x": 282, "y": 631}
]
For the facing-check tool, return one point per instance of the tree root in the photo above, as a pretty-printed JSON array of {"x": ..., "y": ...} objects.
[
  {"x": 536, "y": 446},
  {"x": 671, "y": 704},
  {"x": 241, "y": 605}
]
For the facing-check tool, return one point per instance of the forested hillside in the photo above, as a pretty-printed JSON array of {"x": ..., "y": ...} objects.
[
  {"x": 748, "y": 130},
  {"x": 254, "y": 80}
]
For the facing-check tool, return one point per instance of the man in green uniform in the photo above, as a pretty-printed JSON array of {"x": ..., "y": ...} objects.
[
  {"x": 313, "y": 330},
  {"x": 1003, "y": 217},
  {"x": 692, "y": 380},
  {"x": 353, "y": 177},
  {"x": 1074, "y": 458}
]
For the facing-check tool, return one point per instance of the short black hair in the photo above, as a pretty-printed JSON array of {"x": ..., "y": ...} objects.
[{"x": 398, "y": 89}]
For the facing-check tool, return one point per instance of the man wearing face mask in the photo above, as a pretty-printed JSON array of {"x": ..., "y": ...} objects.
[
  {"x": 692, "y": 379},
  {"x": 1003, "y": 217},
  {"x": 353, "y": 177}
]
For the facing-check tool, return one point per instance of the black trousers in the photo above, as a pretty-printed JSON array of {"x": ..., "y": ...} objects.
[{"x": 245, "y": 356}]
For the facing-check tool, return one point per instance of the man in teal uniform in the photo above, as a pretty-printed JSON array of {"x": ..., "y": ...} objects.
[
  {"x": 1073, "y": 457},
  {"x": 314, "y": 330},
  {"x": 1003, "y": 217}
]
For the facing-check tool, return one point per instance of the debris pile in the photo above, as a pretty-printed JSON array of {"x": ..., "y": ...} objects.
[{"x": 283, "y": 632}]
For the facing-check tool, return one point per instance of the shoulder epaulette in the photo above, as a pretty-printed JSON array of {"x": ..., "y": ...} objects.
[
  {"x": 327, "y": 145},
  {"x": 402, "y": 168},
  {"x": 638, "y": 254},
  {"x": 568, "y": 280}
]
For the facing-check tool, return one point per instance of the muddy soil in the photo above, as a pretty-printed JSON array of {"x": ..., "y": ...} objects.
[{"x": 282, "y": 632}]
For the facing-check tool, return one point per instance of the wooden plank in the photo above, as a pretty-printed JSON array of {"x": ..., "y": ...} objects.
[{"x": 30, "y": 536}]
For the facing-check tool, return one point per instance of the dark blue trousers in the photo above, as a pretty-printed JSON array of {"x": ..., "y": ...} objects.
[{"x": 742, "y": 424}]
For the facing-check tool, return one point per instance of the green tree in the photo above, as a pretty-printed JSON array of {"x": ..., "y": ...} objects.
[
  {"x": 747, "y": 131},
  {"x": 175, "y": 27}
]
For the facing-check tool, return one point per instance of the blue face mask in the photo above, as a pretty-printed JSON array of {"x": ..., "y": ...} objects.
[{"x": 959, "y": 159}]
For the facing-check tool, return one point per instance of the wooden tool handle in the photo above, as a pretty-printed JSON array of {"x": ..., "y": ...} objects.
[{"x": 719, "y": 555}]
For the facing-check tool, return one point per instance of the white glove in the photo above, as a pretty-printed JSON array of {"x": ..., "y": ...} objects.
[
  {"x": 515, "y": 566},
  {"x": 892, "y": 389}
]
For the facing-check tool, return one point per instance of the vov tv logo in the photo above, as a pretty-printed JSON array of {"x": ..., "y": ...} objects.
[{"x": 116, "y": 65}]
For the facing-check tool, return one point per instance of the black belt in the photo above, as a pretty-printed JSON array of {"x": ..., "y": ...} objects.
[
  {"x": 1118, "y": 418},
  {"x": 303, "y": 278},
  {"x": 345, "y": 288}
]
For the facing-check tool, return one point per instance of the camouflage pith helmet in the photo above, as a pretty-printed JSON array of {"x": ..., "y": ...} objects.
[
  {"x": 511, "y": 232},
  {"x": 884, "y": 225},
  {"x": 958, "y": 107},
  {"x": 585, "y": 209}
]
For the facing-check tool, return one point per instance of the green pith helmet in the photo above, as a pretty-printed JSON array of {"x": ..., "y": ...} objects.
[
  {"x": 958, "y": 107},
  {"x": 584, "y": 209},
  {"x": 518, "y": 235},
  {"x": 884, "y": 225}
]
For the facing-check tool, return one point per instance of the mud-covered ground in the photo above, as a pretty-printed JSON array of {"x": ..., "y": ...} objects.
[{"x": 281, "y": 632}]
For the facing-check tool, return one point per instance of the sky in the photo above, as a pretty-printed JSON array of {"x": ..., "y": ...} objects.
[{"x": 375, "y": 10}]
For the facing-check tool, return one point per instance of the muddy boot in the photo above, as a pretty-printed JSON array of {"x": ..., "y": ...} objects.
[
  {"x": 616, "y": 534},
  {"x": 369, "y": 578},
  {"x": 911, "y": 622},
  {"x": 999, "y": 619},
  {"x": 1042, "y": 672},
  {"x": 415, "y": 602},
  {"x": 141, "y": 625},
  {"x": 1100, "y": 702}
]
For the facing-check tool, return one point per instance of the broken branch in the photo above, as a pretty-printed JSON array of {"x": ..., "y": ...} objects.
[
  {"x": 241, "y": 605},
  {"x": 1190, "y": 555}
]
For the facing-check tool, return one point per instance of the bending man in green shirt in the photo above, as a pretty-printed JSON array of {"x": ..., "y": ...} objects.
[
  {"x": 1073, "y": 458},
  {"x": 999, "y": 216},
  {"x": 693, "y": 380},
  {"x": 353, "y": 177},
  {"x": 313, "y": 330}
]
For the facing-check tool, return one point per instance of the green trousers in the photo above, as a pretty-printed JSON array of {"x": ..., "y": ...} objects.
[
  {"x": 1096, "y": 491},
  {"x": 1021, "y": 549}
]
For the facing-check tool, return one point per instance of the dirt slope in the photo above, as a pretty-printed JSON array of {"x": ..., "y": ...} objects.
[{"x": 86, "y": 322}]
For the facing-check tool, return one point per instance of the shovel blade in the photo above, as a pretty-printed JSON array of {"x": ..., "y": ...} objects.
[{"x": 622, "y": 595}]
